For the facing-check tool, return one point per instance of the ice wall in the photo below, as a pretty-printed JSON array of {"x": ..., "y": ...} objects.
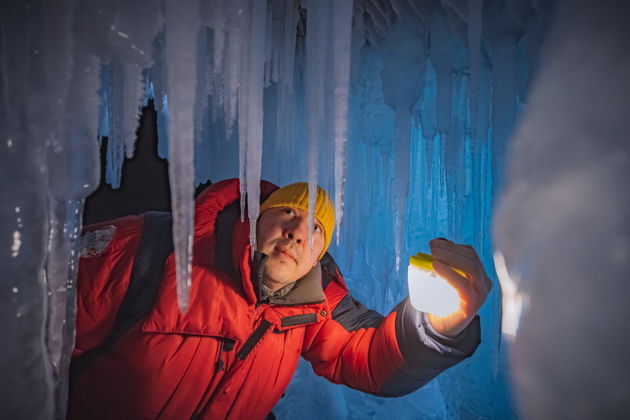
[
  {"x": 562, "y": 227},
  {"x": 400, "y": 108},
  {"x": 48, "y": 114}
]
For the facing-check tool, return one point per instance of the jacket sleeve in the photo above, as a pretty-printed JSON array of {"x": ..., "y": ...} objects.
[
  {"x": 105, "y": 262},
  {"x": 388, "y": 356}
]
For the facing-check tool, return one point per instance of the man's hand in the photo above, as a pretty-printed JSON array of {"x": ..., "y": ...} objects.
[{"x": 472, "y": 289}]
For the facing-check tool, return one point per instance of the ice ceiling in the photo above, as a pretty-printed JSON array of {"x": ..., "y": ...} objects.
[{"x": 401, "y": 108}]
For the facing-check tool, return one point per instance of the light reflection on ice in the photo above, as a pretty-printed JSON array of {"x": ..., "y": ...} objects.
[
  {"x": 17, "y": 244},
  {"x": 512, "y": 299}
]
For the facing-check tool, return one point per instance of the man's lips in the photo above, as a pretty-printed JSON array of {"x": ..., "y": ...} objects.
[{"x": 285, "y": 251}]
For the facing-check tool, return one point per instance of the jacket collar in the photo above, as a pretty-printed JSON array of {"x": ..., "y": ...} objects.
[{"x": 307, "y": 289}]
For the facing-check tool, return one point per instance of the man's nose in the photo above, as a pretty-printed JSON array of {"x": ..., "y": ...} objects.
[{"x": 297, "y": 230}]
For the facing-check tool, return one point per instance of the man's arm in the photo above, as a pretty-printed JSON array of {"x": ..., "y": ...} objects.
[{"x": 388, "y": 356}]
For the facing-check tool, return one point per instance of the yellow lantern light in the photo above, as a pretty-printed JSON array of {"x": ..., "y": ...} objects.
[{"x": 429, "y": 292}]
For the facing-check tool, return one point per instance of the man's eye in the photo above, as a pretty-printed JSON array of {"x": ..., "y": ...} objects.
[
  {"x": 317, "y": 228},
  {"x": 289, "y": 211}
]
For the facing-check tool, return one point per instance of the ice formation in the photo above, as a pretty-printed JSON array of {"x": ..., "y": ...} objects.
[
  {"x": 402, "y": 109},
  {"x": 562, "y": 225}
]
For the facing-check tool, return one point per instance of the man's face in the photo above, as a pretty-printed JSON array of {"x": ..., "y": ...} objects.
[{"x": 282, "y": 234}]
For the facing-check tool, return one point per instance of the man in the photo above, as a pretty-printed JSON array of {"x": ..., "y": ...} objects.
[{"x": 234, "y": 351}]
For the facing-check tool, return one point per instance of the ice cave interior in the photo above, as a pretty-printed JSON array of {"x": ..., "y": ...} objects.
[{"x": 498, "y": 123}]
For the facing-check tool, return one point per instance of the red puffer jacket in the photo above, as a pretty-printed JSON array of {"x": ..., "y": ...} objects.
[{"x": 231, "y": 356}]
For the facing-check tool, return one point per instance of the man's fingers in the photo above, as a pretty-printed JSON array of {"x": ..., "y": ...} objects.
[
  {"x": 465, "y": 250},
  {"x": 463, "y": 258},
  {"x": 460, "y": 283},
  {"x": 474, "y": 286},
  {"x": 456, "y": 259}
]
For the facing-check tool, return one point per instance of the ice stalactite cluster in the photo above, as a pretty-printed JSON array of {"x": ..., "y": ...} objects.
[{"x": 400, "y": 108}]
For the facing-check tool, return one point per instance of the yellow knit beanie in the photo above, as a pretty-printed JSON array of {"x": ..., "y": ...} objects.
[{"x": 296, "y": 196}]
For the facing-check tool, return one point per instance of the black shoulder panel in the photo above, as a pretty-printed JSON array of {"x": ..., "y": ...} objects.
[
  {"x": 224, "y": 228},
  {"x": 352, "y": 315},
  {"x": 148, "y": 265},
  {"x": 329, "y": 269}
]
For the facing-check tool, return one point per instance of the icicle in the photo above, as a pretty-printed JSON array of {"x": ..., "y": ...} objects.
[
  {"x": 252, "y": 104},
  {"x": 132, "y": 46},
  {"x": 201, "y": 109},
  {"x": 69, "y": 181},
  {"x": 442, "y": 59},
  {"x": 342, "y": 35},
  {"x": 276, "y": 27},
  {"x": 26, "y": 364},
  {"x": 379, "y": 18},
  {"x": 216, "y": 15},
  {"x": 232, "y": 62},
  {"x": 162, "y": 126},
  {"x": 402, "y": 78},
  {"x": 504, "y": 97},
  {"x": 72, "y": 161},
  {"x": 454, "y": 148},
  {"x": 182, "y": 27},
  {"x": 484, "y": 100},
  {"x": 285, "y": 111},
  {"x": 401, "y": 8},
  {"x": 448, "y": 56},
  {"x": 474, "y": 49},
  {"x": 125, "y": 95},
  {"x": 243, "y": 101},
  {"x": 103, "y": 92},
  {"x": 480, "y": 145},
  {"x": 157, "y": 75},
  {"x": 213, "y": 15},
  {"x": 401, "y": 189},
  {"x": 288, "y": 47},
  {"x": 316, "y": 32},
  {"x": 133, "y": 96},
  {"x": 243, "y": 109},
  {"x": 268, "y": 47}
]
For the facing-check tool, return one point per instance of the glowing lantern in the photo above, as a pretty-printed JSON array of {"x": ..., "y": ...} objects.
[{"x": 429, "y": 292}]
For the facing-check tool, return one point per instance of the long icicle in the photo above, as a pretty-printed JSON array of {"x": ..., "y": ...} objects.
[
  {"x": 255, "y": 114},
  {"x": 475, "y": 17},
  {"x": 342, "y": 34},
  {"x": 182, "y": 27},
  {"x": 315, "y": 70}
]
